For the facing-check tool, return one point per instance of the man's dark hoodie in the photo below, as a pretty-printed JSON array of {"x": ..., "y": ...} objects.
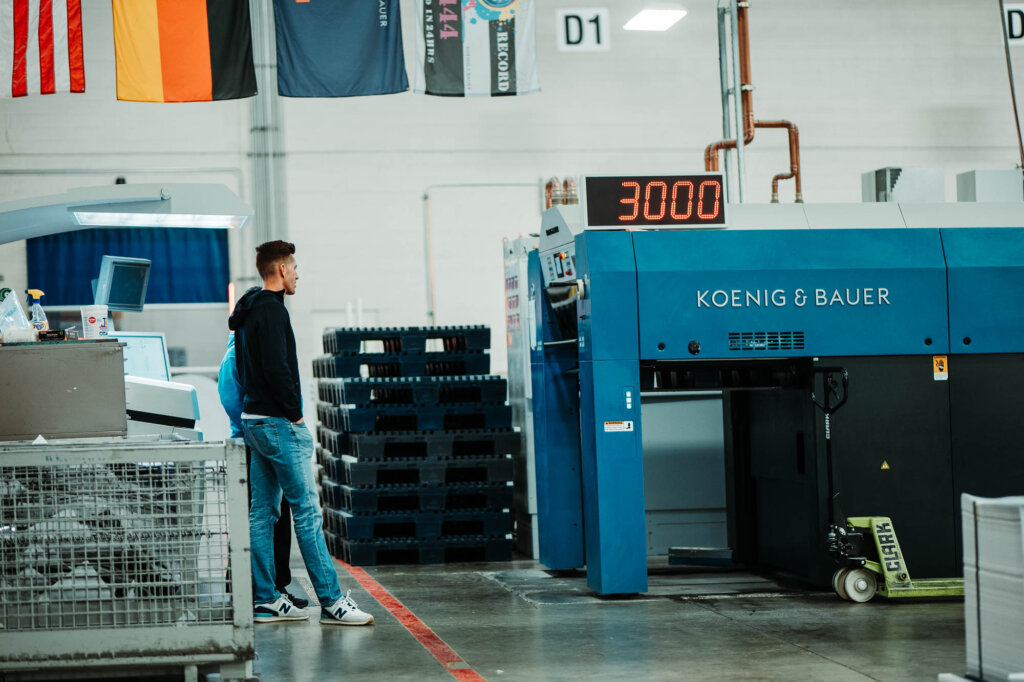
[{"x": 268, "y": 368}]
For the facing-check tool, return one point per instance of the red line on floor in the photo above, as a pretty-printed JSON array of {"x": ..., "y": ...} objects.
[{"x": 444, "y": 654}]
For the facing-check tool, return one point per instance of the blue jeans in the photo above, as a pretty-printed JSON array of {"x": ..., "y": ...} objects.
[{"x": 281, "y": 458}]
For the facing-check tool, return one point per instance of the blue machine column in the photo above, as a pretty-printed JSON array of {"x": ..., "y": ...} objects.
[
  {"x": 610, "y": 437},
  {"x": 556, "y": 433}
]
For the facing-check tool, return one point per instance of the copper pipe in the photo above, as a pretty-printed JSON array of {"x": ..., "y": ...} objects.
[
  {"x": 746, "y": 82},
  {"x": 794, "y": 158},
  {"x": 570, "y": 195},
  {"x": 746, "y": 93},
  {"x": 749, "y": 124},
  {"x": 549, "y": 188}
]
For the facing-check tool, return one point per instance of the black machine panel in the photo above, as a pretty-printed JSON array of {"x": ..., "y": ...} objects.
[
  {"x": 891, "y": 454},
  {"x": 985, "y": 424},
  {"x": 784, "y": 478},
  {"x": 891, "y": 457}
]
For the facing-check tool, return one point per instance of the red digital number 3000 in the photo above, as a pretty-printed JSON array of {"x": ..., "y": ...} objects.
[
  {"x": 659, "y": 191},
  {"x": 655, "y": 200}
]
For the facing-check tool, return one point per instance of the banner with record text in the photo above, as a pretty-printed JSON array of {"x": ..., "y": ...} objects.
[{"x": 476, "y": 48}]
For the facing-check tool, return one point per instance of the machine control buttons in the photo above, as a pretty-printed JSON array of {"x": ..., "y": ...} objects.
[
  {"x": 693, "y": 347},
  {"x": 629, "y": 400}
]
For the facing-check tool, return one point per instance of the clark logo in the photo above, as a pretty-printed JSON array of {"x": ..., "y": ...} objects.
[
  {"x": 780, "y": 298},
  {"x": 888, "y": 549}
]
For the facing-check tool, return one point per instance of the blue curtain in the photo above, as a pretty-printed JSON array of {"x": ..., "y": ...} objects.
[{"x": 189, "y": 265}]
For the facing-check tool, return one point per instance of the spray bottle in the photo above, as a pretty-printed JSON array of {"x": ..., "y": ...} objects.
[{"x": 36, "y": 313}]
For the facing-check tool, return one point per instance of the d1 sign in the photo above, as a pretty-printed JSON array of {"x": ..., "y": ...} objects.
[{"x": 582, "y": 30}]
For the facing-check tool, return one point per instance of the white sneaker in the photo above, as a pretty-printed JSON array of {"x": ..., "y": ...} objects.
[
  {"x": 276, "y": 611},
  {"x": 344, "y": 612}
]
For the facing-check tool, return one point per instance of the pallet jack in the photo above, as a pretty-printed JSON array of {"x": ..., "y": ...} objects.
[
  {"x": 875, "y": 567},
  {"x": 879, "y": 567}
]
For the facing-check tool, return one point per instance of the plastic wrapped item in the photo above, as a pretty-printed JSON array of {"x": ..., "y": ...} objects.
[{"x": 12, "y": 315}]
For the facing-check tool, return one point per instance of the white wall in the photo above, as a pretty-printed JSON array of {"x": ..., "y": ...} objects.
[{"x": 871, "y": 83}]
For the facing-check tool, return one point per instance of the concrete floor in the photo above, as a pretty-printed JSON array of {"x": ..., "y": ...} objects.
[{"x": 514, "y": 621}]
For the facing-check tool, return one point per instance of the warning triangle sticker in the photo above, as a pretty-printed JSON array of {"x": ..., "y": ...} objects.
[{"x": 885, "y": 465}]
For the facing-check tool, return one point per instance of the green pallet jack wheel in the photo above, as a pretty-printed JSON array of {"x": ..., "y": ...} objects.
[
  {"x": 838, "y": 583},
  {"x": 860, "y": 584}
]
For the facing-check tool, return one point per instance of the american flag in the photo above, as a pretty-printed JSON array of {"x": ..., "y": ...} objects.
[{"x": 40, "y": 47}]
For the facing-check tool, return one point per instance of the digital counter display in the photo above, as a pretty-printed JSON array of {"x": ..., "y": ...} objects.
[{"x": 639, "y": 201}]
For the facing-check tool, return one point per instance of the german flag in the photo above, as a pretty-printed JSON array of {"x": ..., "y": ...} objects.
[{"x": 183, "y": 50}]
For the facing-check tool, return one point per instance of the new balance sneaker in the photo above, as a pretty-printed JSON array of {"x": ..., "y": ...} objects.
[
  {"x": 276, "y": 611},
  {"x": 344, "y": 612},
  {"x": 297, "y": 601}
]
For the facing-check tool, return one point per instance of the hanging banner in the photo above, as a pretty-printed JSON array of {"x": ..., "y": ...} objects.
[
  {"x": 327, "y": 48},
  {"x": 476, "y": 48},
  {"x": 41, "y": 47},
  {"x": 183, "y": 50}
]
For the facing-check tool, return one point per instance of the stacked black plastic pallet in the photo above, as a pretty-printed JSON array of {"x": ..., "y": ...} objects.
[{"x": 416, "y": 457}]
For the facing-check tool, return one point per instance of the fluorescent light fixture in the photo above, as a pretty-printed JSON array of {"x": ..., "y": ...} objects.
[
  {"x": 143, "y": 205},
  {"x": 654, "y": 19},
  {"x": 102, "y": 219}
]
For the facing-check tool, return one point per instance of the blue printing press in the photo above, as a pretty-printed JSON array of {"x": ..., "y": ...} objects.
[{"x": 926, "y": 322}]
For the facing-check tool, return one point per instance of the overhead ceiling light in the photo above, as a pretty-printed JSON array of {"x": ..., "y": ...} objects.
[
  {"x": 654, "y": 19},
  {"x": 108, "y": 219}
]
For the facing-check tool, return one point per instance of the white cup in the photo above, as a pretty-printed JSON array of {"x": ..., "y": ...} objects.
[{"x": 94, "y": 321}]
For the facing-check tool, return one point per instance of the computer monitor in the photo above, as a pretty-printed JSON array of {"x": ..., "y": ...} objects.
[
  {"x": 122, "y": 283},
  {"x": 145, "y": 354}
]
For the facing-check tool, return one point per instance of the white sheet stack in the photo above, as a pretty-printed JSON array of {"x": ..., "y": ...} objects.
[{"x": 994, "y": 586}]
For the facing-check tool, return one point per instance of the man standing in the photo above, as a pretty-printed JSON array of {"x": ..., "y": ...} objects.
[
  {"x": 231, "y": 398},
  {"x": 281, "y": 444}
]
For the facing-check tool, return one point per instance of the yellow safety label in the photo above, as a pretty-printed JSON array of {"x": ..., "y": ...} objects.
[
  {"x": 940, "y": 368},
  {"x": 885, "y": 465}
]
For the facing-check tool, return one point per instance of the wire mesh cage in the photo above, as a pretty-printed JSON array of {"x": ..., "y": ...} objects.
[{"x": 123, "y": 538}]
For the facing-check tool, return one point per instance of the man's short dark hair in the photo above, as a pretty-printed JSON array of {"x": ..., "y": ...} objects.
[{"x": 269, "y": 254}]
